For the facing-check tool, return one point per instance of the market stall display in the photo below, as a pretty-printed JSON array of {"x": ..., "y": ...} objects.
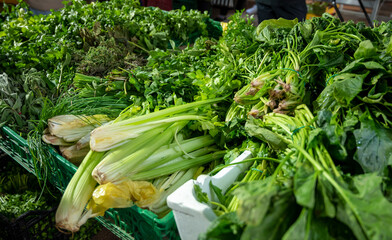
[
  {"x": 328, "y": 159},
  {"x": 139, "y": 111}
]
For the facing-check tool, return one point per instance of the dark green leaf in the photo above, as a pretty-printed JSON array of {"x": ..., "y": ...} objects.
[
  {"x": 366, "y": 211},
  {"x": 218, "y": 193},
  {"x": 333, "y": 136},
  {"x": 365, "y": 50},
  {"x": 255, "y": 199},
  {"x": 255, "y": 130},
  {"x": 374, "y": 145},
  {"x": 281, "y": 214},
  {"x": 346, "y": 87},
  {"x": 324, "y": 197},
  {"x": 305, "y": 185},
  {"x": 277, "y": 23},
  {"x": 389, "y": 46},
  {"x": 387, "y": 183},
  {"x": 200, "y": 195},
  {"x": 314, "y": 137},
  {"x": 326, "y": 99},
  {"x": 226, "y": 226},
  {"x": 307, "y": 227},
  {"x": 306, "y": 29},
  {"x": 373, "y": 65}
]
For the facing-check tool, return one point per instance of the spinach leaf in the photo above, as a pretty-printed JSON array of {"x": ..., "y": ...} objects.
[
  {"x": 365, "y": 50},
  {"x": 346, "y": 87},
  {"x": 305, "y": 185},
  {"x": 226, "y": 226},
  {"x": 256, "y": 198},
  {"x": 307, "y": 227},
  {"x": 374, "y": 145},
  {"x": 253, "y": 128},
  {"x": 281, "y": 214},
  {"x": 366, "y": 211},
  {"x": 332, "y": 135},
  {"x": 387, "y": 183},
  {"x": 324, "y": 206}
]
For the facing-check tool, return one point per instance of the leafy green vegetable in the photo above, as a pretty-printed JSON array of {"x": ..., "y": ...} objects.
[
  {"x": 227, "y": 226},
  {"x": 271, "y": 224},
  {"x": 305, "y": 186},
  {"x": 365, "y": 50},
  {"x": 367, "y": 221},
  {"x": 374, "y": 145}
]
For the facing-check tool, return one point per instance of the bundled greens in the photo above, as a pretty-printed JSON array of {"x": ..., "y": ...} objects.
[
  {"x": 329, "y": 167},
  {"x": 149, "y": 149},
  {"x": 306, "y": 189}
]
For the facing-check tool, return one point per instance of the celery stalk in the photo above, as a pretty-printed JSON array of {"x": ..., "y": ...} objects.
[
  {"x": 116, "y": 154},
  {"x": 171, "y": 167},
  {"x": 172, "y": 151},
  {"x": 169, "y": 187},
  {"x": 116, "y": 171},
  {"x": 70, "y": 214},
  {"x": 113, "y": 135}
]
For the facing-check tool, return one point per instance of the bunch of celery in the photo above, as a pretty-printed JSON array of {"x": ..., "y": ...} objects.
[
  {"x": 72, "y": 134},
  {"x": 130, "y": 159},
  {"x": 309, "y": 193},
  {"x": 150, "y": 194}
]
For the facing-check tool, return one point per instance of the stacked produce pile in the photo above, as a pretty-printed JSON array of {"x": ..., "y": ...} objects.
[
  {"x": 320, "y": 100},
  {"x": 53, "y": 90},
  {"x": 39, "y": 55},
  {"x": 311, "y": 100}
]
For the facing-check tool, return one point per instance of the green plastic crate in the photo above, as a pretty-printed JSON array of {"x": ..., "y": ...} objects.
[{"x": 127, "y": 223}]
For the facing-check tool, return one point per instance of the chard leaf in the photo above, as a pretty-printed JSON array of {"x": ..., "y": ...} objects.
[
  {"x": 374, "y": 145},
  {"x": 366, "y": 211}
]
